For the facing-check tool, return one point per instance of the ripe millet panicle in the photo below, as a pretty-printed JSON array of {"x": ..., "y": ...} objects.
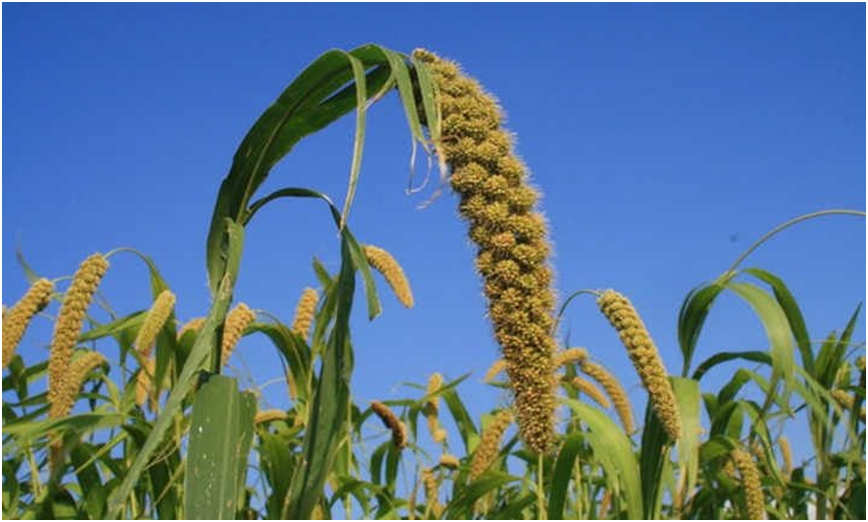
[
  {"x": 17, "y": 318},
  {"x": 391, "y": 421},
  {"x": 513, "y": 248},
  {"x": 646, "y": 359},
  {"x": 570, "y": 356},
  {"x": 750, "y": 481},
  {"x": 384, "y": 263},
  {"x": 786, "y": 455},
  {"x": 194, "y": 324},
  {"x": 304, "y": 312},
  {"x": 78, "y": 372},
  {"x": 144, "y": 380},
  {"x": 449, "y": 461},
  {"x": 432, "y": 408},
  {"x": 237, "y": 320},
  {"x": 69, "y": 322},
  {"x": 154, "y": 321},
  {"x": 591, "y": 391},
  {"x": 489, "y": 445}
]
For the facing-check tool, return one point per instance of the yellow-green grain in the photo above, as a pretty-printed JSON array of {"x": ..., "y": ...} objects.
[{"x": 17, "y": 318}]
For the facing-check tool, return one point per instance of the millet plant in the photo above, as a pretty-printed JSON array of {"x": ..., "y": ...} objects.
[{"x": 160, "y": 432}]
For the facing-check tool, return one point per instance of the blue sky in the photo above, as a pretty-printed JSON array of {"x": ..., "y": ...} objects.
[{"x": 665, "y": 138}]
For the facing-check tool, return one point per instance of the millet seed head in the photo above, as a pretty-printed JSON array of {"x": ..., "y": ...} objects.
[
  {"x": 194, "y": 325},
  {"x": 751, "y": 484},
  {"x": 614, "y": 390},
  {"x": 591, "y": 391},
  {"x": 237, "y": 321},
  {"x": 645, "y": 357},
  {"x": 570, "y": 356},
  {"x": 384, "y": 263},
  {"x": 69, "y": 322},
  {"x": 17, "y": 318},
  {"x": 512, "y": 241},
  {"x": 391, "y": 421},
  {"x": 78, "y": 372},
  {"x": 489, "y": 444},
  {"x": 304, "y": 312},
  {"x": 449, "y": 461},
  {"x": 154, "y": 321}
]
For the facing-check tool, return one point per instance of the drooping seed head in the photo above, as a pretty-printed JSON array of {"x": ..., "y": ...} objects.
[
  {"x": 68, "y": 325},
  {"x": 843, "y": 398},
  {"x": 154, "y": 321},
  {"x": 615, "y": 392},
  {"x": 78, "y": 372},
  {"x": 645, "y": 357},
  {"x": 144, "y": 380},
  {"x": 591, "y": 391},
  {"x": 392, "y": 272},
  {"x": 860, "y": 363},
  {"x": 17, "y": 318},
  {"x": 391, "y": 421},
  {"x": 750, "y": 481},
  {"x": 511, "y": 237},
  {"x": 304, "y": 312},
  {"x": 237, "y": 320},
  {"x": 432, "y": 493},
  {"x": 194, "y": 325},
  {"x": 432, "y": 408},
  {"x": 489, "y": 444},
  {"x": 493, "y": 370},
  {"x": 268, "y": 416},
  {"x": 449, "y": 461},
  {"x": 570, "y": 356}
]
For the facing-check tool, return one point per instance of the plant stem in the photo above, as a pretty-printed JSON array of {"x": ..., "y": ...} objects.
[{"x": 540, "y": 493}]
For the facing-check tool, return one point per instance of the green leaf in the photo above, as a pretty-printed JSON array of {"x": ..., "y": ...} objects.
[
  {"x": 461, "y": 507},
  {"x": 563, "y": 474},
  {"x": 118, "y": 325},
  {"x": 722, "y": 357},
  {"x": 466, "y": 427},
  {"x": 794, "y": 315},
  {"x": 692, "y": 317},
  {"x": 221, "y": 429},
  {"x": 653, "y": 458},
  {"x": 778, "y": 331},
  {"x": 832, "y": 352},
  {"x": 687, "y": 394},
  {"x": 615, "y": 453}
]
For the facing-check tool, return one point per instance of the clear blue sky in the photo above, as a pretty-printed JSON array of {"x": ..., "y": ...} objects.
[{"x": 666, "y": 138}]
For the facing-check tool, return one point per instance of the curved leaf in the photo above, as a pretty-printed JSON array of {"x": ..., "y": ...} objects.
[
  {"x": 615, "y": 453},
  {"x": 691, "y": 319},
  {"x": 722, "y": 357}
]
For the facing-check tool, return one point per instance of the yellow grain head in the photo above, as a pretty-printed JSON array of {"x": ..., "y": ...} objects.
[
  {"x": 432, "y": 491},
  {"x": 17, "y": 318},
  {"x": 489, "y": 444},
  {"x": 304, "y": 312},
  {"x": 494, "y": 370},
  {"x": 449, "y": 461},
  {"x": 570, "y": 356},
  {"x": 646, "y": 359},
  {"x": 154, "y": 321},
  {"x": 268, "y": 416},
  {"x": 591, "y": 391},
  {"x": 843, "y": 398},
  {"x": 392, "y": 272},
  {"x": 786, "y": 454},
  {"x": 432, "y": 408},
  {"x": 614, "y": 390},
  {"x": 751, "y": 484},
  {"x": 69, "y": 322},
  {"x": 237, "y": 320},
  {"x": 391, "y": 421},
  {"x": 64, "y": 398},
  {"x": 498, "y": 203},
  {"x": 860, "y": 363},
  {"x": 144, "y": 381},
  {"x": 194, "y": 325},
  {"x": 77, "y": 373}
]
